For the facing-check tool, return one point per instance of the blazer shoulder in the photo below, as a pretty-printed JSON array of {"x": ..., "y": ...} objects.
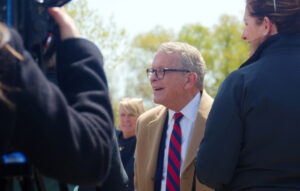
[
  {"x": 152, "y": 113},
  {"x": 205, "y": 104}
]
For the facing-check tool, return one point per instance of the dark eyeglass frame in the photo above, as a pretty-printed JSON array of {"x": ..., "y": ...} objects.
[{"x": 160, "y": 72}]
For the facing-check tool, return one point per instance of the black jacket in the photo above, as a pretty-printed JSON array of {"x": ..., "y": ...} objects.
[
  {"x": 65, "y": 131},
  {"x": 117, "y": 178},
  {"x": 251, "y": 141},
  {"x": 127, "y": 149}
]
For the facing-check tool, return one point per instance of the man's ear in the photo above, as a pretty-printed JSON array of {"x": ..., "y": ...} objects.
[{"x": 191, "y": 80}]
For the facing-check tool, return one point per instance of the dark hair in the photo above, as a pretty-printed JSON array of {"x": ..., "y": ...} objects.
[{"x": 284, "y": 13}]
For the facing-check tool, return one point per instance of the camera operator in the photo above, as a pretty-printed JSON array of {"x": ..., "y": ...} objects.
[{"x": 65, "y": 131}]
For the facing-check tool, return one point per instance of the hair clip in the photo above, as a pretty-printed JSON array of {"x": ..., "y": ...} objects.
[{"x": 275, "y": 8}]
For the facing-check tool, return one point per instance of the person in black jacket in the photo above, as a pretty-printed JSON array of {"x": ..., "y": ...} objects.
[
  {"x": 251, "y": 140},
  {"x": 66, "y": 131},
  {"x": 129, "y": 110}
]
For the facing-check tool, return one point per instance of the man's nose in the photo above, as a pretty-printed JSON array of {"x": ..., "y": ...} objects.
[{"x": 153, "y": 77}]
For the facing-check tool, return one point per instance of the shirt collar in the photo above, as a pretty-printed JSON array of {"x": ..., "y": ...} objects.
[{"x": 190, "y": 111}]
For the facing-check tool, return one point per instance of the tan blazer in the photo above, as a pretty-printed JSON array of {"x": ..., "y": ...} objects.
[{"x": 149, "y": 130}]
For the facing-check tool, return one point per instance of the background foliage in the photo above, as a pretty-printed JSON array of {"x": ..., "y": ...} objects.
[{"x": 126, "y": 59}]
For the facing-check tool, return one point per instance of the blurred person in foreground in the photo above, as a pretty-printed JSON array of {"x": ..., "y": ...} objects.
[
  {"x": 65, "y": 131},
  {"x": 252, "y": 140},
  {"x": 169, "y": 135},
  {"x": 129, "y": 110}
]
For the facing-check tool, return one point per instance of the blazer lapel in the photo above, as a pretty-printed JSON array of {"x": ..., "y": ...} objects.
[
  {"x": 198, "y": 131},
  {"x": 155, "y": 132}
]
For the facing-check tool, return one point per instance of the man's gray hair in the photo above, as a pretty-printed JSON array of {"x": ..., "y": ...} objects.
[{"x": 191, "y": 59}]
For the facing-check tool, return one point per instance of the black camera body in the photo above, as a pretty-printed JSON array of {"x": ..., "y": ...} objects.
[{"x": 31, "y": 19}]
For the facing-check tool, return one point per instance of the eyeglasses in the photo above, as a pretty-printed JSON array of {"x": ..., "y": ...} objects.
[{"x": 160, "y": 72}]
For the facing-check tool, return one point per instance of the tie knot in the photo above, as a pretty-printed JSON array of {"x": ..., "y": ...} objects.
[{"x": 178, "y": 116}]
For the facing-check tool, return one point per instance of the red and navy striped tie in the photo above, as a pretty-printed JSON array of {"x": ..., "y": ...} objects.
[{"x": 174, "y": 158}]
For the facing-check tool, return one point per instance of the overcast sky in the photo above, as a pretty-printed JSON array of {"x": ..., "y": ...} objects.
[{"x": 137, "y": 16}]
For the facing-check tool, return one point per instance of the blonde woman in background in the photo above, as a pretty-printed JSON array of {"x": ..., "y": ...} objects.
[{"x": 129, "y": 110}]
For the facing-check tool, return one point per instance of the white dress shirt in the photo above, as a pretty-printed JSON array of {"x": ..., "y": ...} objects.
[{"x": 189, "y": 112}]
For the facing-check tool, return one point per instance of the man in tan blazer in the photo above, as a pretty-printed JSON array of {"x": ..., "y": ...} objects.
[{"x": 176, "y": 78}]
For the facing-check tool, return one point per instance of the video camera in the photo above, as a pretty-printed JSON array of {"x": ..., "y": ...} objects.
[{"x": 31, "y": 19}]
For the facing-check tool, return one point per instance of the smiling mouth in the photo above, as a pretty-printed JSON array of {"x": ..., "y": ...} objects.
[{"x": 157, "y": 89}]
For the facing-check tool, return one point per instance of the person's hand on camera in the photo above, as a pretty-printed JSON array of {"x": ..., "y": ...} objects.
[{"x": 65, "y": 22}]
